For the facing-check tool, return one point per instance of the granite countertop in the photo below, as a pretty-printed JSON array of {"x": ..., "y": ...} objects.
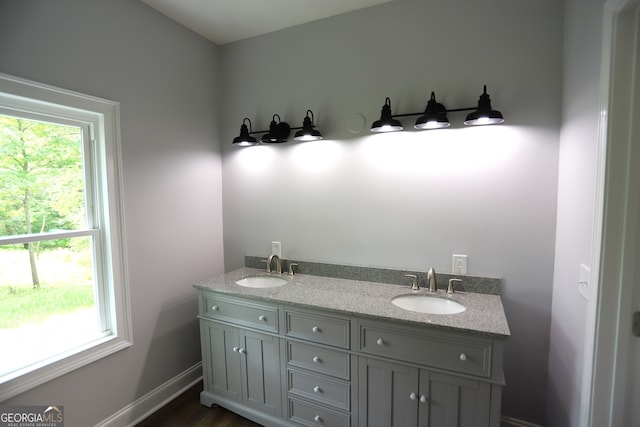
[{"x": 484, "y": 313}]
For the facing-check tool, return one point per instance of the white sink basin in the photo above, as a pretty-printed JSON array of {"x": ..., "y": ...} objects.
[
  {"x": 428, "y": 304},
  {"x": 261, "y": 282}
]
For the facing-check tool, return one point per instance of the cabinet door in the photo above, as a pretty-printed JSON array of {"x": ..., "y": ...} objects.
[
  {"x": 224, "y": 365},
  {"x": 261, "y": 373},
  {"x": 450, "y": 401},
  {"x": 388, "y": 394}
]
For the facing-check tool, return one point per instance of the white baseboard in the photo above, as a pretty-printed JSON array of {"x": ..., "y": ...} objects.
[
  {"x": 514, "y": 422},
  {"x": 146, "y": 405}
]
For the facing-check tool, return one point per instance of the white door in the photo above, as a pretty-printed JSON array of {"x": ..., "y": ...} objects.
[
  {"x": 633, "y": 392},
  {"x": 611, "y": 395}
]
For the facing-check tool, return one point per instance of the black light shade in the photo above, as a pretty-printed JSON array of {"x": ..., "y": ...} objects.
[
  {"x": 434, "y": 117},
  {"x": 484, "y": 114},
  {"x": 245, "y": 139},
  {"x": 308, "y": 133},
  {"x": 278, "y": 131},
  {"x": 386, "y": 123}
]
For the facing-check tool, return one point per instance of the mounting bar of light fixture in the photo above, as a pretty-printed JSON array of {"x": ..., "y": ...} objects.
[
  {"x": 278, "y": 132},
  {"x": 435, "y": 115}
]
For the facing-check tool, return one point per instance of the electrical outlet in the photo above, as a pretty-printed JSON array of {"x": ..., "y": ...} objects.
[
  {"x": 459, "y": 265},
  {"x": 276, "y": 249}
]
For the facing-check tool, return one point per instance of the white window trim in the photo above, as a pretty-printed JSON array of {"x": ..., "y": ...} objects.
[{"x": 13, "y": 92}]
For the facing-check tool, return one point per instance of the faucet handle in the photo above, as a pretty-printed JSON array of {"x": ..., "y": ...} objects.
[
  {"x": 291, "y": 265},
  {"x": 450, "y": 289},
  {"x": 414, "y": 284},
  {"x": 268, "y": 267}
]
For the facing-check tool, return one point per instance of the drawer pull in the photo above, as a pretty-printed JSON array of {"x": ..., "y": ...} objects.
[
  {"x": 316, "y": 359},
  {"x": 242, "y": 351},
  {"x": 315, "y": 329},
  {"x": 423, "y": 399},
  {"x": 463, "y": 357},
  {"x": 379, "y": 341},
  {"x": 317, "y": 419},
  {"x": 262, "y": 318},
  {"x": 413, "y": 396},
  {"x": 317, "y": 389},
  {"x": 214, "y": 308}
]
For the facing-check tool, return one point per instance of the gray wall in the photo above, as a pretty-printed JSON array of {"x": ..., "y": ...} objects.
[
  {"x": 409, "y": 200},
  {"x": 576, "y": 206},
  {"x": 165, "y": 78},
  {"x": 406, "y": 200}
]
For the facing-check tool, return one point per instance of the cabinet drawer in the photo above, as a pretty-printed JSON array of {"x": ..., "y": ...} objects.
[
  {"x": 318, "y": 359},
  {"x": 317, "y": 328},
  {"x": 311, "y": 415},
  {"x": 445, "y": 351},
  {"x": 241, "y": 312},
  {"x": 320, "y": 389}
]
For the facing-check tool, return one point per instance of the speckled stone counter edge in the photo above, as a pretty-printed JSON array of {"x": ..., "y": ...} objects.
[{"x": 482, "y": 285}]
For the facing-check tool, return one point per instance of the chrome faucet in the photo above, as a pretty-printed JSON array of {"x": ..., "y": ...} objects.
[
  {"x": 278, "y": 263},
  {"x": 431, "y": 279}
]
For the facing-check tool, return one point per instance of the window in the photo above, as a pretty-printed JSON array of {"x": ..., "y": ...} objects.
[{"x": 63, "y": 288}]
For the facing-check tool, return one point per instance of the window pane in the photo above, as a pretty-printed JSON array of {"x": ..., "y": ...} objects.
[
  {"x": 41, "y": 177},
  {"x": 59, "y": 314}
]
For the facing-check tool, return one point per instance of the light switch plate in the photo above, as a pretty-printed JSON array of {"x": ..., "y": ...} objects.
[{"x": 583, "y": 282}]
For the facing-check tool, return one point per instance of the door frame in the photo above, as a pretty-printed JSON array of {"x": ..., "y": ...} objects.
[{"x": 609, "y": 310}]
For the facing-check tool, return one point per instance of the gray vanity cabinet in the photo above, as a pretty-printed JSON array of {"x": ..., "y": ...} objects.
[
  {"x": 241, "y": 365},
  {"x": 393, "y": 394},
  {"x": 319, "y": 368},
  {"x": 384, "y": 394},
  {"x": 283, "y": 365},
  {"x": 415, "y": 377}
]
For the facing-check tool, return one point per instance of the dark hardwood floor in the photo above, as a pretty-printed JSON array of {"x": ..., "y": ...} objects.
[{"x": 186, "y": 411}]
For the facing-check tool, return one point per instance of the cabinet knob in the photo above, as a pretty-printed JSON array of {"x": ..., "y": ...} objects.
[
  {"x": 379, "y": 341},
  {"x": 463, "y": 357},
  {"x": 235, "y": 349},
  {"x": 262, "y": 318},
  {"x": 317, "y": 419},
  {"x": 214, "y": 308},
  {"x": 315, "y": 329},
  {"x": 316, "y": 359},
  {"x": 317, "y": 389},
  {"x": 413, "y": 396},
  {"x": 423, "y": 399},
  {"x": 242, "y": 351}
]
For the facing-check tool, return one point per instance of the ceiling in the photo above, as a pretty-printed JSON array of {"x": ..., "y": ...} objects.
[{"x": 225, "y": 21}]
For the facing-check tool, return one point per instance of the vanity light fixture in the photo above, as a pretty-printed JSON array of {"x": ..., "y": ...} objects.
[
  {"x": 484, "y": 114},
  {"x": 387, "y": 123},
  {"x": 308, "y": 133},
  {"x": 435, "y": 115},
  {"x": 278, "y": 132},
  {"x": 245, "y": 139}
]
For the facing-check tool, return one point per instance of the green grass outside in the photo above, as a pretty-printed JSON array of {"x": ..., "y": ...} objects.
[
  {"x": 66, "y": 285},
  {"x": 18, "y": 307}
]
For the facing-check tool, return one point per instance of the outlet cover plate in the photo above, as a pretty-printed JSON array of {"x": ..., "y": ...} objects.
[
  {"x": 459, "y": 265},
  {"x": 276, "y": 249}
]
